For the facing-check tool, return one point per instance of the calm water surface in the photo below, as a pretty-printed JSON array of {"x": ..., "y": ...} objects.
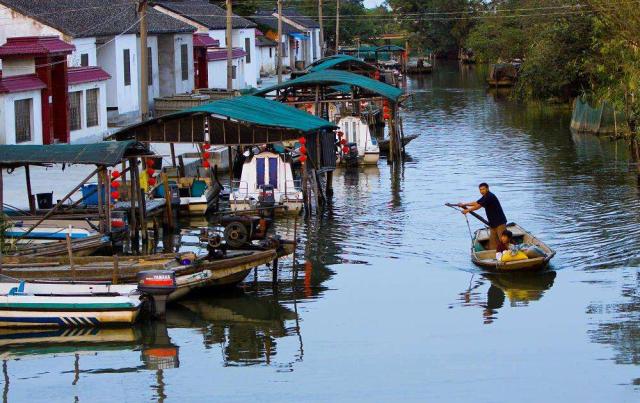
[{"x": 384, "y": 303}]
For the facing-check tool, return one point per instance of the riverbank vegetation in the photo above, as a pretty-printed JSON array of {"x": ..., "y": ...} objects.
[{"x": 569, "y": 48}]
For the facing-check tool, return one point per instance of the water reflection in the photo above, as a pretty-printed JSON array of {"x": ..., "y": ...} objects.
[{"x": 519, "y": 289}]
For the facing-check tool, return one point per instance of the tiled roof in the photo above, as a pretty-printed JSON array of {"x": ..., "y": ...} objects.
[
  {"x": 35, "y": 46},
  {"x": 21, "y": 83},
  {"x": 204, "y": 41},
  {"x": 265, "y": 19},
  {"x": 204, "y": 13},
  {"x": 89, "y": 18},
  {"x": 79, "y": 75},
  {"x": 221, "y": 54},
  {"x": 265, "y": 42},
  {"x": 295, "y": 16}
]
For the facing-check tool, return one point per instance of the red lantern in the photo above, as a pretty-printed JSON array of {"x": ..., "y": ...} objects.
[
  {"x": 303, "y": 150},
  {"x": 385, "y": 103},
  {"x": 150, "y": 171},
  {"x": 387, "y": 116},
  {"x": 151, "y": 181},
  {"x": 386, "y": 109},
  {"x": 115, "y": 174},
  {"x": 206, "y": 155},
  {"x": 206, "y": 163},
  {"x": 115, "y": 185},
  {"x": 115, "y": 194},
  {"x": 343, "y": 141},
  {"x": 340, "y": 134},
  {"x": 303, "y": 158},
  {"x": 345, "y": 149},
  {"x": 150, "y": 163},
  {"x": 302, "y": 140},
  {"x": 206, "y": 146}
]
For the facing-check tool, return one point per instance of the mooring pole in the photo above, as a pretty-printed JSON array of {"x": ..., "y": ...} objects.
[{"x": 32, "y": 204}]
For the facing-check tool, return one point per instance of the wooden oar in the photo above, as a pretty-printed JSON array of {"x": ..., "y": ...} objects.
[{"x": 473, "y": 213}]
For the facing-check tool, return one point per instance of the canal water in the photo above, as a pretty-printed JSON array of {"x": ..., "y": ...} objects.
[{"x": 384, "y": 303}]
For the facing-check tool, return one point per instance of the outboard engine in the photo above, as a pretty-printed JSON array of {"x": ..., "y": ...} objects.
[
  {"x": 267, "y": 196},
  {"x": 157, "y": 285},
  {"x": 351, "y": 157}
]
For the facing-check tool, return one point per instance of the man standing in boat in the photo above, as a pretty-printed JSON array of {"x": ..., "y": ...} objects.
[{"x": 495, "y": 214}]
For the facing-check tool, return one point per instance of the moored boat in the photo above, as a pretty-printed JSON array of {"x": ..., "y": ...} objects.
[
  {"x": 486, "y": 258},
  {"x": 267, "y": 182},
  {"x": 356, "y": 132}
]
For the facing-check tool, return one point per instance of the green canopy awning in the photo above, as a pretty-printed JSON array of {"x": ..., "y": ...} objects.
[
  {"x": 335, "y": 61},
  {"x": 336, "y": 77},
  {"x": 240, "y": 120},
  {"x": 107, "y": 153}
]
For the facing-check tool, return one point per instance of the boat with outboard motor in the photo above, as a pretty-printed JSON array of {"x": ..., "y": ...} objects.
[
  {"x": 267, "y": 182},
  {"x": 359, "y": 147},
  {"x": 77, "y": 304}
]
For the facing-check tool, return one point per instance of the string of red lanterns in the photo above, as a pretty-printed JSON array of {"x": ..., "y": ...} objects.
[{"x": 302, "y": 149}]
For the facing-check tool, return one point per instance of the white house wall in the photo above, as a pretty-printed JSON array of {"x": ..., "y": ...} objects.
[
  {"x": 154, "y": 87},
  {"x": 94, "y": 133},
  {"x": 267, "y": 63},
  {"x": 217, "y": 71},
  {"x": 7, "y": 117},
  {"x": 183, "y": 86},
  {"x": 122, "y": 97},
  {"x": 83, "y": 46},
  {"x": 251, "y": 70},
  {"x": 15, "y": 24}
]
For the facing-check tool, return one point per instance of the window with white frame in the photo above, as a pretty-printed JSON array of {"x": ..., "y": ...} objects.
[
  {"x": 75, "y": 110},
  {"x": 92, "y": 107},
  {"x": 23, "y": 122}
]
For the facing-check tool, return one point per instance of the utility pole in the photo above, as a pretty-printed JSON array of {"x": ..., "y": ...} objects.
[
  {"x": 337, "y": 25},
  {"x": 280, "y": 41},
  {"x": 322, "y": 49},
  {"x": 144, "y": 61},
  {"x": 229, "y": 40}
]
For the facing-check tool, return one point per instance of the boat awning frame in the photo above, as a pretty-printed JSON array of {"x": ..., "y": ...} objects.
[
  {"x": 331, "y": 78},
  {"x": 243, "y": 120},
  {"x": 106, "y": 153}
]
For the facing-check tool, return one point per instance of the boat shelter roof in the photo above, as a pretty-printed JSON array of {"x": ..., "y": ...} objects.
[
  {"x": 341, "y": 62},
  {"x": 106, "y": 153},
  {"x": 234, "y": 121},
  {"x": 331, "y": 78}
]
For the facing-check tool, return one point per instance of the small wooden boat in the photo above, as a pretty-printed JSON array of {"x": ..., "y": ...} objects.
[
  {"x": 191, "y": 271},
  {"x": 486, "y": 258},
  {"x": 384, "y": 144},
  {"x": 21, "y": 309}
]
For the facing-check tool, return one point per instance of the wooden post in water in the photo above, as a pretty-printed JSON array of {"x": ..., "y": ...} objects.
[
  {"x": 167, "y": 198},
  {"x": 107, "y": 212},
  {"x": 141, "y": 204},
  {"x": 100, "y": 190},
  {"x": 133, "y": 223},
  {"x": 32, "y": 202}
]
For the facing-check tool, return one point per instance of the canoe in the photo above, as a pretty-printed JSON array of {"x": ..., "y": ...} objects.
[
  {"x": 486, "y": 258},
  {"x": 191, "y": 271},
  {"x": 28, "y": 310}
]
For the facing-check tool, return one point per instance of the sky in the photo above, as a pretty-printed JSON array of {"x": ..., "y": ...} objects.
[{"x": 373, "y": 3}]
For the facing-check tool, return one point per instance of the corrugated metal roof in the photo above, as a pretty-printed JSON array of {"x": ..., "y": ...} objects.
[
  {"x": 108, "y": 153},
  {"x": 21, "y": 83},
  {"x": 35, "y": 46},
  {"x": 249, "y": 110},
  {"x": 333, "y": 62},
  {"x": 79, "y": 75},
  {"x": 337, "y": 77}
]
